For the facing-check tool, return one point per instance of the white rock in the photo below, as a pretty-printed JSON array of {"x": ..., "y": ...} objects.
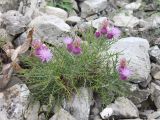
[
  {"x": 62, "y": 115},
  {"x": 90, "y": 7},
  {"x": 154, "y": 21},
  {"x": 56, "y": 12},
  {"x": 124, "y": 107},
  {"x": 154, "y": 116},
  {"x": 155, "y": 94},
  {"x": 155, "y": 52},
  {"x": 125, "y": 19},
  {"x": 134, "y": 5},
  {"x": 106, "y": 113},
  {"x": 50, "y": 28},
  {"x": 32, "y": 111},
  {"x": 135, "y": 50},
  {"x": 73, "y": 20},
  {"x": 13, "y": 102},
  {"x": 15, "y": 22},
  {"x": 80, "y": 104},
  {"x": 97, "y": 22},
  {"x": 6, "y": 5}
]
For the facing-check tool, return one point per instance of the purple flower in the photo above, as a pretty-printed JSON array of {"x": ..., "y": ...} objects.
[
  {"x": 97, "y": 34},
  {"x": 124, "y": 73},
  {"x": 73, "y": 46},
  {"x": 76, "y": 50},
  {"x": 36, "y": 44},
  {"x": 103, "y": 30},
  {"x": 114, "y": 32},
  {"x": 43, "y": 53}
]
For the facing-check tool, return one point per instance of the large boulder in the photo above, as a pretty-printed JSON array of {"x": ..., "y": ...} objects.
[
  {"x": 122, "y": 107},
  {"x": 135, "y": 50},
  {"x": 62, "y": 115},
  {"x": 50, "y": 28},
  {"x": 90, "y": 7},
  {"x": 14, "y": 22},
  {"x": 155, "y": 93},
  {"x": 6, "y": 5},
  {"x": 56, "y": 12},
  {"x": 80, "y": 104},
  {"x": 125, "y": 19},
  {"x": 13, "y": 102}
]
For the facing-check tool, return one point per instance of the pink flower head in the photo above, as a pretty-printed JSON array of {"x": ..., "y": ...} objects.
[
  {"x": 36, "y": 44},
  {"x": 69, "y": 43},
  {"x": 114, "y": 32},
  {"x": 124, "y": 72},
  {"x": 43, "y": 53},
  {"x": 103, "y": 30},
  {"x": 77, "y": 47},
  {"x": 73, "y": 46},
  {"x": 97, "y": 34}
]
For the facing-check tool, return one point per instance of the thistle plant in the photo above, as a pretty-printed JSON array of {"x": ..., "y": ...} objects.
[{"x": 61, "y": 71}]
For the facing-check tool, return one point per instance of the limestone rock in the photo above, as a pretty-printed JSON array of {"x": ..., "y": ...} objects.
[
  {"x": 155, "y": 94},
  {"x": 125, "y": 19},
  {"x": 50, "y": 28},
  {"x": 32, "y": 111},
  {"x": 154, "y": 116},
  {"x": 73, "y": 20},
  {"x": 62, "y": 115},
  {"x": 90, "y": 7},
  {"x": 56, "y": 12},
  {"x": 80, "y": 104},
  {"x": 15, "y": 22},
  {"x": 13, "y": 102},
  {"x": 134, "y": 5},
  {"x": 124, "y": 108},
  {"x": 155, "y": 53}
]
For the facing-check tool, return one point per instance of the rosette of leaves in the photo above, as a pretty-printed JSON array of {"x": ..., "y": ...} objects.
[{"x": 66, "y": 73}]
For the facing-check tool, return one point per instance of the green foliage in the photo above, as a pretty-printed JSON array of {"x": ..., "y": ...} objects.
[
  {"x": 66, "y": 73},
  {"x": 64, "y": 4}
]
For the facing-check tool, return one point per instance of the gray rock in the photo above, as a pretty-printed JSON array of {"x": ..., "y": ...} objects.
[
  {"x": 125, "y": 19},
  {"x": 50, "y": 28},
  {"x": 6, "y": 5},
  {"x": 155, "y": 71},
  {"x": 123, "y": 107},
  {"x": 90, "y": 7},
  {"x": 96, "y": 23},
  {"x": 15, "y": 22},
  {"x": 62, "y": 115},
  {"x": 32, "y": 112},
  {"x": 80, "y": 104},
  {"x": 56, "y": 12},
  {"x": 21, "y": 39},
  {"x": 13, "y": 102},
  {"x": 75, "y": 5},
  {"x": 154, "y": 116},
  {"x": 42, "y": 117},
  {"x": 135, "y": 50},
  {"x": 73, "y": 20},
  {"x": 155, "y": 94},
  {"x": 4, "y": 36},
  {"x": 145, "y": 83},
  {"x": 137, "y": 96},
  {"x": 131, "y": 119},
  {"x": 155, "y": 52},
  {"x": 134, "y": 5}
]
